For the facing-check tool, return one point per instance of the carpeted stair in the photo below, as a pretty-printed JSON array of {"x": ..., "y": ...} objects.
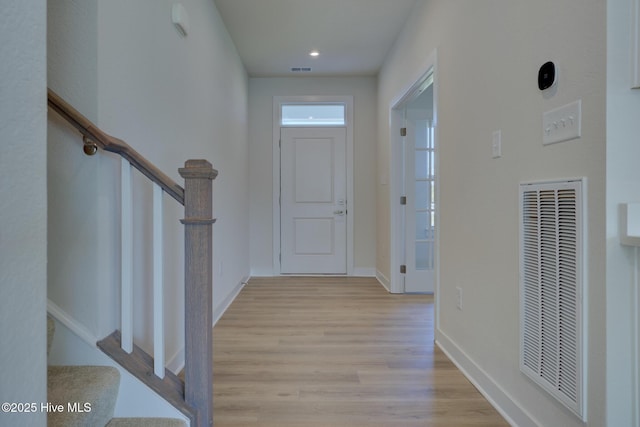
[{"x": 74, "y": 386}]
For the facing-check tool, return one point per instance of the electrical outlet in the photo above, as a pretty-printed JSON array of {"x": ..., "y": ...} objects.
[{"x": 459, "y": 298}]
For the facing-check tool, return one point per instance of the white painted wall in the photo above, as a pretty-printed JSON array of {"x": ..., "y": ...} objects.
[
  {"x": 488, "y": 55},
  {"x": 179, "y": 98},
  {"x": 74, "y": 216},
  {"x": 23, "y": 207},
  {"x": 261, "y": 93},
  {"x": 623, "y": 185},
  {"x": 172, "y": 98}
]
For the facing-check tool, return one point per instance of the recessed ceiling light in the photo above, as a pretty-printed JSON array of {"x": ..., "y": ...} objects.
[{"x": 314, "y": 53}]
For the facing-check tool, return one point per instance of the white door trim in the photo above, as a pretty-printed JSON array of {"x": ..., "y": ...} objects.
[
  {"x": 408, "y": 91},
  {"x": 277, "y": 102}
]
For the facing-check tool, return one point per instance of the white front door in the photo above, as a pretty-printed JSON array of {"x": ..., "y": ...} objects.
[
  {"x": 313, "y": 190},
  {"x": 420, "y": 203}
]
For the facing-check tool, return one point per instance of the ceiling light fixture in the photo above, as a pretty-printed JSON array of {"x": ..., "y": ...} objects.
[{"x": 314, "y": 53}]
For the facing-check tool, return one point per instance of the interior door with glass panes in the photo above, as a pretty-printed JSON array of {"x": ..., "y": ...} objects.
[{"x": 420, "y": 202}]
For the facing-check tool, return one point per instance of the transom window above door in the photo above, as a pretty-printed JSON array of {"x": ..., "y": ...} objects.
[{"x": 310, "y": 114}]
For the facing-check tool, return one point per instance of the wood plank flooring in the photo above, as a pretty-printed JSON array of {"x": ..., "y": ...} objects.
[{"x": 336, "y": 352}]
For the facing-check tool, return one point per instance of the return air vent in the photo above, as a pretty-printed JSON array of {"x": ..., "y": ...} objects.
[
  {"x": 300, "y": 69},
  {"x": 551, "y": 290}
]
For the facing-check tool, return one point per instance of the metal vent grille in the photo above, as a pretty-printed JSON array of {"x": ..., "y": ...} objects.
[{"x": 551, "y": 289}]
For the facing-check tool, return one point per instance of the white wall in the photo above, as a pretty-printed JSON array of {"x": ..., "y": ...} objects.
[
  {"x": 172, "y": 98},
  {"x": 488, "y": 55},
  {"x": 23, "y": 207},
  {"x": 261, "y": 93},
  {"x": 623, "y": 185},
  {"x": 74, "y": 188}
]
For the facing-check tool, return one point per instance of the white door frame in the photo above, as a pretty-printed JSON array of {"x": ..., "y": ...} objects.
[
  {"x": 277, "y": 103},
  {"x": 407, "y": 92}
]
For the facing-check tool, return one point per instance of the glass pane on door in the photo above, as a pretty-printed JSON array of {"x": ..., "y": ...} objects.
[
  {"x": 422, "y": 164},
  {"x": 423, "y": 225},
  {"x": 309, "y": 114},
  {"x": 424, "y": 255},
  {"x": 424, "y": 181},
  {"x": 423, "y": 195},
  {"x": 419, "y": 187}
]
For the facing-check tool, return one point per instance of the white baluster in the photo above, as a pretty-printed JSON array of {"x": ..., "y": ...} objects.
[
  {"x": 158, "y": 285},
  {"x": 126, "y": 235}
]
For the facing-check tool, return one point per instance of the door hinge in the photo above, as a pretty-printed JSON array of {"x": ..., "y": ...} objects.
[
  {"x": 403, "y": 200},
  {"x": 403, "y": 131},
  {"x": 403, "y": 269}
]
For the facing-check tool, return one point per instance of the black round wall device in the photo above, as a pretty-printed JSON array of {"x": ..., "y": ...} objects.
[{"x": 546, "y": 75}]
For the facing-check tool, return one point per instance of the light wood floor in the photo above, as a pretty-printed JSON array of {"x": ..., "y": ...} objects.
[{"x": 336, "y": 352}]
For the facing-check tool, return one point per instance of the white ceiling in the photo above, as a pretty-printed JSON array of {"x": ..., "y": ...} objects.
[{"x": 352, "y": 36}]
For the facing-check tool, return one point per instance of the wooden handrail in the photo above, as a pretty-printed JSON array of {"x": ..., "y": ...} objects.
[
  {"x": 114, "y": 145},
  {"x": 194, "y": 396}
]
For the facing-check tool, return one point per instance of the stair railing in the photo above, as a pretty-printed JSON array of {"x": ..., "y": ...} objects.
[{"x": 194, "y": 395}]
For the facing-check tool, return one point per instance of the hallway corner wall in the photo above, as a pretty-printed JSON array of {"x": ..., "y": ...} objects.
[
  {"x": 488, "y": 56},
  {"x": 23, "y": 209}
]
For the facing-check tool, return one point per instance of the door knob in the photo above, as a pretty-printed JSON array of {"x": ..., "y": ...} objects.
[{"x": 338, "y": 212}]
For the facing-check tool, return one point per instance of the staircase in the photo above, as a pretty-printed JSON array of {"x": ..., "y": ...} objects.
[
  {"x": 97, "y": 386},
  {"x": 86, "y": 396}
]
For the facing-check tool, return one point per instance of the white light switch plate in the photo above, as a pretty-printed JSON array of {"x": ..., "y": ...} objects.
[
  {"x": 563, "y": 123},
  {"x": 496, "y": 145}
]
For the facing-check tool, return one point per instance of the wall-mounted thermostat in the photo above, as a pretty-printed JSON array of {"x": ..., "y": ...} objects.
[{"x": 546, "y": 75}]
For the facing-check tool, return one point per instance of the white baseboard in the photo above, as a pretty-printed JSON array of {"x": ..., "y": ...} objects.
[
  {"x": 218, "y": 312},
  {"x": 500, "y": 399},
  {"x": 70, "y": 323},
  {"x": 384, "y": 280},
  {"x": 176, "y": 363},
  {"x": 364, "y": 272}
]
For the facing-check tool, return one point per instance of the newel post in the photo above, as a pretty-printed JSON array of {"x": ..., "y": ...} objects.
[{"x": 198, "y": 265}]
